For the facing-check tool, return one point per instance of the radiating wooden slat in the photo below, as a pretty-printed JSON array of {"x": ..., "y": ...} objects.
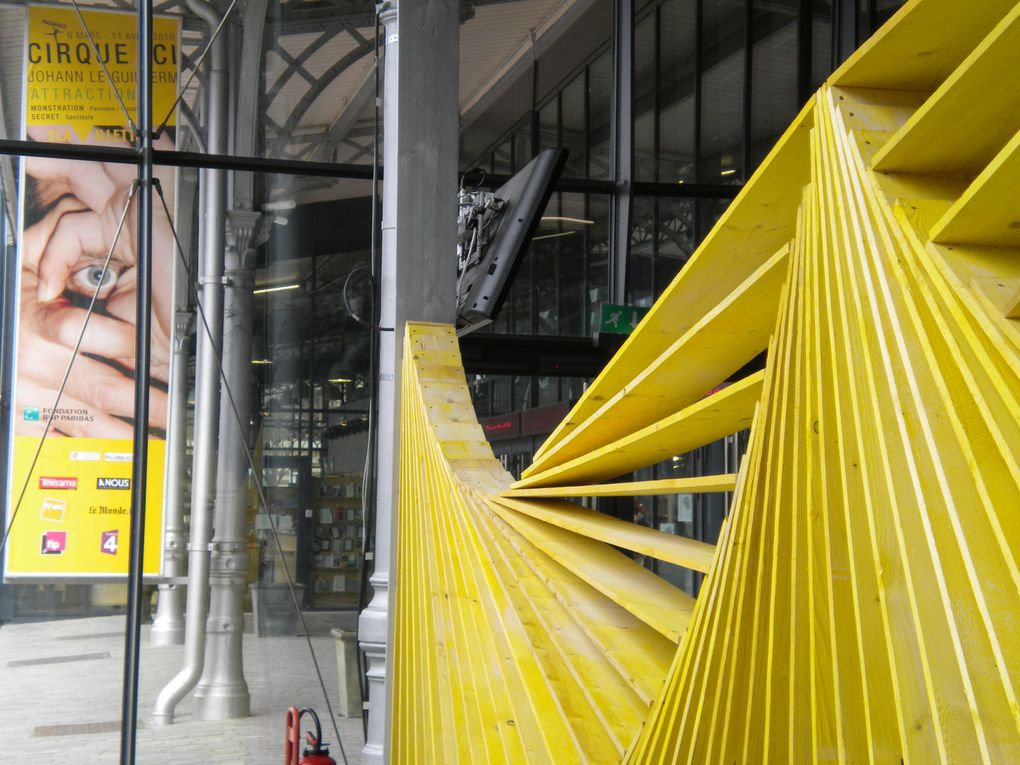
[
  {"x": 671, "y": 548},
  {"x": 711, "y": 418},
  {"x": 988, "y": 213},
  {"x": 729, "y": 336},
  {"x": 971, "y": 116},
  {"x": 652, "y": 600},
  {"x": 640, "y": 654},
  {"x": 758, "y": 222},
  {"x": 695, "y": 485},
  {"x": 468, "y": 604},
  {"x": 921, "y": 45}
]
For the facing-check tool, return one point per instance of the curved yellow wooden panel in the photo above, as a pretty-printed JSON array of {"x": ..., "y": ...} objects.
[{"x": 862, "y": 603}]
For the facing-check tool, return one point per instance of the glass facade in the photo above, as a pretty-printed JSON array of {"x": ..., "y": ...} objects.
[{"x": 271, "y": 147}]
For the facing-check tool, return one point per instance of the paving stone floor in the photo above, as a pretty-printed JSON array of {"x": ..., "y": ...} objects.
[{"x": 60, "y": 694}]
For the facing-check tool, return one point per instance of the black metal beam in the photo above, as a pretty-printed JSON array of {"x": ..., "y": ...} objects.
[
  {"x": 140, "y": 445},
  {"x": 193, "y": 159}
]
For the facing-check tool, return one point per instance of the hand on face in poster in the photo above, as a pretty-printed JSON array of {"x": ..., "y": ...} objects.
[{"x": 64, "y": 248}]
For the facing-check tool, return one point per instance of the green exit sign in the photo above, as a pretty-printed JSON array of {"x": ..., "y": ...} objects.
[{"x": 620, "y": 319}]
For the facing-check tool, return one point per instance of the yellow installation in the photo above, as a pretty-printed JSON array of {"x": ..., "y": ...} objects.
[{"x": 863, "y": 601}]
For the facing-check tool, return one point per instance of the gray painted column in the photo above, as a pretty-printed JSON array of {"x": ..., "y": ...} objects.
[
  {"x": 418, "y": 272},
  {"x": 213, "y": 196},
  {"x": 168, "y": 626},
  {"x": 222, "y": 693}
]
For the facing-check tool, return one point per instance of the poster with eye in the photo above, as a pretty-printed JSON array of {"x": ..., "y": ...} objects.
[{"x": 69, "y": 504}]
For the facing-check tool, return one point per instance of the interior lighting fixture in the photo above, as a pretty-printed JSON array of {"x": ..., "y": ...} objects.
[
  {"x": 731, "y": 171},
  {"x": 281, "y": 288},
  {"x": 261, "y": 361},
  {"x": 338, "y": 380},
  {"x": 561, "y": 219}
]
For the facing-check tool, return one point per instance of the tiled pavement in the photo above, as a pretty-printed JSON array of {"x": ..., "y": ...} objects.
[{"x": 60, "y": 695}]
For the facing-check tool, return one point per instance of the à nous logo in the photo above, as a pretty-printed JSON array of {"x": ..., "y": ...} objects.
[{"x": 113, "y": 483}]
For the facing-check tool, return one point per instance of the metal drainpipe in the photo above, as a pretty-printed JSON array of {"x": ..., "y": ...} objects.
[
  {"x": 222, "y": 693},
  {"x": 168, "y": 626},
  {"x": 207, "y": 386}
]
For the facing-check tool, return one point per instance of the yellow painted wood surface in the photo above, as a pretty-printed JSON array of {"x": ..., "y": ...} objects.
[
  {"x": 724, "y": 412},
  {"x": 671, "y": 548},
  {"x": 988, "y": 213},
  {"x": 684, "y": 372},
  {"x": 862, "y": 602},
  {"x": 694, "y": 485},
  {"x": 971, "y": 116}
]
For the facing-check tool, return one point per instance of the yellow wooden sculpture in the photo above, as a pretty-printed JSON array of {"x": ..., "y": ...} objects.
[{"x": 863, "y": 601}]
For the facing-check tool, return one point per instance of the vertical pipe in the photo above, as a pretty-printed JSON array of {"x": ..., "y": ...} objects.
[
  {"x": 168, "y": 626},
  {"x": 373, "y": 623},
  {"x": 140, "y": 456},
  {"x": 207, "y": 388},
  {"x": 222, "y": 693}
]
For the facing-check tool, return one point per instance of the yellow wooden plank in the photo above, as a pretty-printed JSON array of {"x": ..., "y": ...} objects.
[
  {"x": 585, "y": 684},
  {"x": 921, "y": 45},
  {"x": 671, "y": 548},
  {"x": 640, "y": 654},
  {"x": 724, "y": 340},
  {"x": 654, "y": 601},
  {"x": 971, "y": 116},
  {"x": 695, "y": 485},
  {"x": 1011, "y": 309},
  {"x": 711, "y": 418},
  {"x": 758, "y": 222},
  {"x": 988, "y": 213}
]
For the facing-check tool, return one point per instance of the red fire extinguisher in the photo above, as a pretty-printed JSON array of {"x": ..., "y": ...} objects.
[{"x": 316, "y": 753}]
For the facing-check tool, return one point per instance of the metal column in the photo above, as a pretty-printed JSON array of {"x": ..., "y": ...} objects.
[
  {"x": 207, "y": 385},
  {"x": 418, "y": 271},
  {"x": 222, "y": 693}
]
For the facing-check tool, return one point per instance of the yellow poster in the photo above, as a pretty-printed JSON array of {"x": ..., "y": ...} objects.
[{"x": 69, "y": 507}]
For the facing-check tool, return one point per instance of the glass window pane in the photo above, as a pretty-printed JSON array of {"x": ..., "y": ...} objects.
[
  {"x": 677, "y": 39},
  {"x": 821, "y": 41},
  {"x": 522, "y": 145},
  {"x": 641, "y": 259},
  {"x": 549, "y": 125},
  {"x": 570, "y": 290},
  {"x": 645, "y": 83},
  {"x": 773, "y": 75},
  {"x": 597, "y": 283},
  {"x": 722, "y": 92},
  {"x": 675, "y": 237},
  {"x": 600, "y": 97},
  {"x": 709, "y": 211},
  {"x": 573, "y": 132}
]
